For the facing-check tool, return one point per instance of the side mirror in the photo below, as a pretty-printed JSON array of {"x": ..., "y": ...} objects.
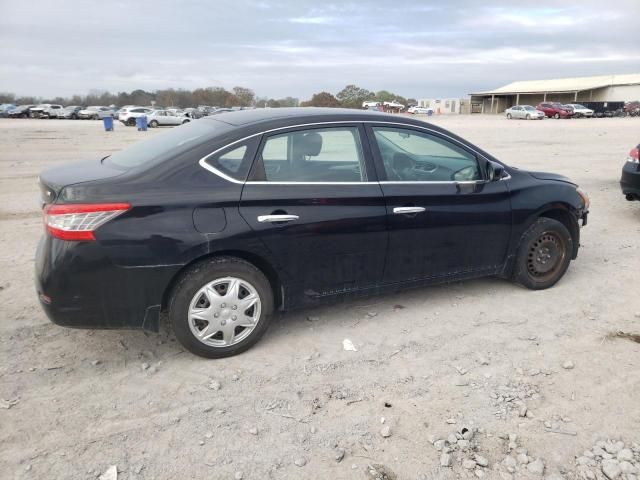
[{"x": 495, "y": 171}]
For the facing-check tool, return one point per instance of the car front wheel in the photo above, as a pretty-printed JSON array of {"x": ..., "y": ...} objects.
[
  {"x": 556, "y": 116},
  {"x": 543, "y": 255},
  {"x": 221, "y": 307},
  {"x": 153, "y": 123},
  {"x": 509, "y": 116}
]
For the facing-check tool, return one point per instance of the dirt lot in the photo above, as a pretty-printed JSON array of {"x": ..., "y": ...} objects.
[{"x": 431, "y": 362}]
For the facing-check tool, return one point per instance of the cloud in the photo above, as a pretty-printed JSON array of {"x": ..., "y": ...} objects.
[{"x": 287, "y": 47}]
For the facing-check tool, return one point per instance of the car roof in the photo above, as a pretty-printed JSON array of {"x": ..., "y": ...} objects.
[{"x": 304, "y": 114}]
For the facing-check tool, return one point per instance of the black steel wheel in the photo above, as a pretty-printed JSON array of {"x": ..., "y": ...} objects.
[{"x": 544, "y": 254}]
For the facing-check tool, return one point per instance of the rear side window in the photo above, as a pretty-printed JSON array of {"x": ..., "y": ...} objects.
[
  {"x": 235, "y": 161},
  {"x": 315, "y": 155}
]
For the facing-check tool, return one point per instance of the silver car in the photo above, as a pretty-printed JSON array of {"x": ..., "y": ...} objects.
[
  {"x": 526, "y": 112},
  {"x": 161, "y": 118},
  {"x": 580, "y": 110}
]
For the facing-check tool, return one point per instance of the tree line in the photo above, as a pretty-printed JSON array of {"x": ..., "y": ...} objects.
[{"x": 350, "y": 96}]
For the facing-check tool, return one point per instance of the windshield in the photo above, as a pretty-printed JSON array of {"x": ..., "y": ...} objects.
[
  {"x": 167, "y": 145},
  {"x": 577, "y": 105}
]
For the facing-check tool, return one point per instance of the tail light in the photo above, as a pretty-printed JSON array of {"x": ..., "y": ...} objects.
[
  {"x": 634, "y": 155},
  {"x": 77, "y": 222}
]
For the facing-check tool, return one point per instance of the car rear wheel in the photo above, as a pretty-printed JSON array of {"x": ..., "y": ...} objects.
[
  {"x": 153, "y": 123},
  {"x": 556, "y": 116},
  {"x": 528, "y": 117},
  {"x": 185, "y": 121},
  {"x": 509, "y": 116},
  {"x": 131, "y": 122},
  {"x": 543, "y": 255},
  {"x": 221, "y": 307}
]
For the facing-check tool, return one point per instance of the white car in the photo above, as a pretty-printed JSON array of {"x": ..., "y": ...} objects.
[
  {"x": 394, "y": 105},
  {"x": 370, "y": 104},
  {"x": 161, "y": 118},
  {"x": 580, "y": 110},
  {"x": 526, "y": 112},
  {"x": 421, "y": 110},
  {"x": 46, "y": 110},
  {"x": 95, "y": 113},
  {"x": 128, "y": 115}
]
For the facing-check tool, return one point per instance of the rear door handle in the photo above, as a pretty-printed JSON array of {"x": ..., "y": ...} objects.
[
  {"x": 408, "y": 210},
  {"x": 277, "y": 218}
]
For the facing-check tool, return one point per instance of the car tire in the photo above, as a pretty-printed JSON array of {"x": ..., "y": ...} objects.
[
  {"x": 556, "y": 116},
  {"x": 509, "y": 116},
  {"x": 216, "y": 276},
  {"x": 543, "y": 255},
  {"x": 528, "y": 117},
  {"x": 131, "y": 122},
  {"x": 153, "y": 123},
  {"x": 185, "y": 121},
  {"x": 74, "y": 116}
]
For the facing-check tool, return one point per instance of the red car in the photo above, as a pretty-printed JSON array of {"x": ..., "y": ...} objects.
[{"x": 555, "y": 110}]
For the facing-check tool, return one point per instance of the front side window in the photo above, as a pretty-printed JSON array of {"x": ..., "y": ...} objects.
[
  {"x": 317, "y": 155},
  {"x": 412, "y": 156}
]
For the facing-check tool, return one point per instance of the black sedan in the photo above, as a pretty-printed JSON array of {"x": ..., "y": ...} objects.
[
  {"x": 630, "y": 181},
  {"x": 222, "y": 221}
]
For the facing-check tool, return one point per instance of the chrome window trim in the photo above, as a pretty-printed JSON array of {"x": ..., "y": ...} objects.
[{"x": 203, "y": 161}]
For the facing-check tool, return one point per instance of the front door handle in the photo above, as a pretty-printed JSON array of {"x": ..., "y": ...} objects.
[
  {"x": 277, "y": 218},
  {"x": 408, "y": 210}
]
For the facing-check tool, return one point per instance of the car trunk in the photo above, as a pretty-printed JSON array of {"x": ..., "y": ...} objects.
[{"x": 53, "y": 180}]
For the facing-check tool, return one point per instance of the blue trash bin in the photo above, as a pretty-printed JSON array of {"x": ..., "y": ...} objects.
[
  {"x": 141, "y": 123},
  {"x": 108, "y": 124},
  {"x": 429, "y": 112}
]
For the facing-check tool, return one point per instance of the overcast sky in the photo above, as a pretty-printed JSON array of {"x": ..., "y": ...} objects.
[{"x": 298, "y": 47}]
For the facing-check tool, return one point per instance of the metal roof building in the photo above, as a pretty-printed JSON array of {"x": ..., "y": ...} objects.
[{"x": 605, "y": 88}]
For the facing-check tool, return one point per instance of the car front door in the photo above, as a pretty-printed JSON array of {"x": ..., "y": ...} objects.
[
  {"x": 313, "y": 200},
  {"x": 445, "y": 219}
]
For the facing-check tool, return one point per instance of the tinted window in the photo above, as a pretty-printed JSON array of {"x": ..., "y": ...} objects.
[
  {"x": 318, "y": 155},
  {"x": 167, "y": 145},
  {"x": 409, "y": 155},
  {"x": 235, "y": 161}
]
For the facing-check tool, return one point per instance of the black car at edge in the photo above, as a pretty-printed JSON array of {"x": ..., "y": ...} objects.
[
  {"x": 630, "y": 180},
  {"x": 222, "y": 221}
]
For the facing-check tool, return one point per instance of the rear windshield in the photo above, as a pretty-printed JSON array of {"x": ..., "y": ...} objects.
[{"x": 167, "y": 145}]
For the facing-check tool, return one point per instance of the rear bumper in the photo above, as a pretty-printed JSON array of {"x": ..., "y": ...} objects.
[
  {"x": 630, "y": 180},
  {"x": 78, "y": 286}
]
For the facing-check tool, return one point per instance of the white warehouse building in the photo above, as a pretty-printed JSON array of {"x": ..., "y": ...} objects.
[{"x": 605, "y": 88}]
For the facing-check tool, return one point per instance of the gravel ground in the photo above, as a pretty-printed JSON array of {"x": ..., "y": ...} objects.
[{"x": 472, "y": 379}]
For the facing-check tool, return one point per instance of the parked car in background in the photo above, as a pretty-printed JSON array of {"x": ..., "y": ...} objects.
[
  {"x": 116, "y": 114},
  {"x": 71, "y": 112},
  {"x": 21, "y": 111},
  {"x": 420, "y": 110},
  {"x": 128, "y": 115},
  {"x": 220, "y": 110},
  {"x": 525, "y": 112},
  {"x": 46, "y": 110},
  {"x": 555, "y": 110},
  {"x": 632, "y": 108},
  {"x": 165, "y": 118},
  {"x": 580, "y": 110},
  {"x": 5, "y": 108},
  {"x": 95, "y": 112},
  {"x": 223, "y": 221},
  {"x": 630, "y": 181},
  {"x": 605, "y": 109}
]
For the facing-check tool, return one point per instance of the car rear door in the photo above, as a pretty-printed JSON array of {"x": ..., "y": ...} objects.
[
  {"x": 445, "y": 220},
  {"x": 313, "y": 199}
]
